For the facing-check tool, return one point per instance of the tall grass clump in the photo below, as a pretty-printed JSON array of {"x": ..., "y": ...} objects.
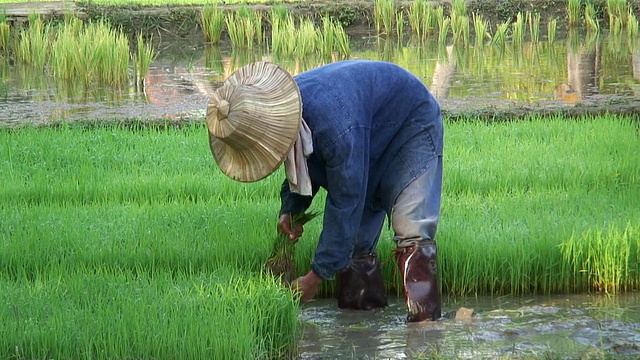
[
  {"x": 591, "y": 18},
  {"x": 481, "y": 30},
  {"x": 552, "y": 27},
  {"x": 443, "y": 29},
  {"x": 142, "y": 59},
  {"x": 33, "y": 43},
  {"x": 5, "y": 33},
  {"x": 212, "y": 22},
  {"x": 95, "y": 52},
  {"x": 244, "y": 27},
  {"x": 307, "y": 38},
  {"x": 533, "y": 19},
  {"x": 500, "y": 36},
  {"x": 384, "y": 15},
  {"x": 283, "y": 30},
  {"x": 518, "y": 30},
  {"x": 603, "y": 260},
  {"x": 617, "y": 11},
  {"x": 422, "y": 18},
  {"x": 333, "y": 39},
  {"x": 632, "y": 24},
  {"x": 574, "y": 8}
]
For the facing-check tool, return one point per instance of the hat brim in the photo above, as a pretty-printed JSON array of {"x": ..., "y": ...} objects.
[{"x": 265, "y": 109}]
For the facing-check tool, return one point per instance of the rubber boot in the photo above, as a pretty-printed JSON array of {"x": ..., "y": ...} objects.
[
  {"x": 418, "y": 265},
  {"x": 361, "y": 285}
]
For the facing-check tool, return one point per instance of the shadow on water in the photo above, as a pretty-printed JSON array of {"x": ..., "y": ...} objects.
[
  {"x": 580, "y": 70},
  {"x": 556, "y": 327}
]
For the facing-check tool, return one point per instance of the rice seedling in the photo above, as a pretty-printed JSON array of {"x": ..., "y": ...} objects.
[
  {"x": 591, "y": 18},
  {"x": 384, "y": 16},
  {"x": 307, "y": 38},
  {"x": 422, "y": 18},
  {"x": 5, "y": 33},
  {"x": 617, "y": 10},
  {"x": 333, "y": 39},
  {"x": 443, "y": 29},
  {"x": 552, "y": 27},
  {"x": 400, "y": 24},
  {"x": 518, "y": 30},
  {"x": 459, "y": 8},
  {"x": 574, "y": 8},
  {"x": 615, "y": 26},
  {"x": 283, "y": 30},
  {"x": 33, "y": 43},
  {"x": 500, "y": 35},
  {"x": 460, "y": 29},
  {"x": 281, "y": 261},
  {"x": 632, "y": 24},
  {"x": 481, "y": 30},
  {"x": 244, "y": 27},
  {"x": 159, "y": 211},
  {"x": 533, "y": 19},
  {"x": 212, "y": 22},
  {"x": 142, "y": 60}
]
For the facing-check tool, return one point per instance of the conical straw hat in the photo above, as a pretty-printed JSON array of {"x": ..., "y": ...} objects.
[{"x": 253, "y": 120}]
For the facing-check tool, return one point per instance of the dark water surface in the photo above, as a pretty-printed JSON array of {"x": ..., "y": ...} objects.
[
  {"x": 569, "y": 72},
  {"x": 556, "y": 327}
]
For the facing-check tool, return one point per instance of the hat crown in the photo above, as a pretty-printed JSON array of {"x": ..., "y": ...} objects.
[{"x": 253, "y": 120}]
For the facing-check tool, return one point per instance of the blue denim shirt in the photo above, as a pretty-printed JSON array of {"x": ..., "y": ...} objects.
[{"x": 361, "y": 113}]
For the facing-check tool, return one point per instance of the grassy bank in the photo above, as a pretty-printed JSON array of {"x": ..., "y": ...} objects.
[{"x": 115, "y": 240}]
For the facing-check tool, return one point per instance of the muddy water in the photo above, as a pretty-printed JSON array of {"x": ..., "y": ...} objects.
[
  {"x": 556, "y": 327},
  {"x": 569, "y": 72}
]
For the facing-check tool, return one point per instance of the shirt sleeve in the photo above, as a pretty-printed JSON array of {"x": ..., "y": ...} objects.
[
  {"x": 292, "y": 203},
  {"x": 346, "y": 168}
]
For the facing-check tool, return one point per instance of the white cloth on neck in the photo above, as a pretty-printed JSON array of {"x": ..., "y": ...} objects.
[{"x": 296, "y": 162}]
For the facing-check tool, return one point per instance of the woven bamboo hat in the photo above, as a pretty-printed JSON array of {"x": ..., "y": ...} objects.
[{"x": 253, "y": 120}]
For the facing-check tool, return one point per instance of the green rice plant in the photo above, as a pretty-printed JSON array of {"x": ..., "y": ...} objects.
[
  {"x": 591, "y": 18},
  {"x": 460, "y": 29},
  {"x": 443, "y": 29},
  {"x": 617, "y": 11},
  {"x": 142, "y": 59},
  {"x": 500, "y": 35},
  {"x": 108, "y": 54},
  {"x": 518, "y": 30},
  {"x": 283, "y": 30},
  {"x": 481, "y": 30},
  {"x": 533, "y": 19},
  {"x": 244, "y": 27},
  {"x": 459, "y": 8},
  {"x": 400, "y": 24},
  {"x": 307, "y": 38},
  {"x": 384, "y": 16},
  {"x": 5, "y": 33},
  {"x": 632, "y": 24},
  {"x": 574, "y": 8},
  {"x": 552, "y": 27},
  {"x": 603, "y": 258},
  {"x": 281, "y": 261},
  {"x": 422, "y": 18},
  {"x": 33, "y": 43},
  {"x": 333, "y": 39},
  {"x": 615, "y": 26},
  {"x": 212, "y": 22}
]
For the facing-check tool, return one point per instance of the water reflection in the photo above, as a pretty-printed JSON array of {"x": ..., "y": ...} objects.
[
  {"x": 584, "y": 68},
  {"x": 573, "y": 326}
]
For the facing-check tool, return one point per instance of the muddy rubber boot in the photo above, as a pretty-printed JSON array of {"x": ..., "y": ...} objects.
[
  {"x": 418, "y": 265},
  {"x": 361, "y": 285}
]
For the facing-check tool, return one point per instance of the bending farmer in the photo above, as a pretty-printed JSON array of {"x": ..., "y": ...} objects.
[{"x": 368, "y": 132}]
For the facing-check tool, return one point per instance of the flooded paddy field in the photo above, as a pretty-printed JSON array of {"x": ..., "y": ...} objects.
[
  {"x": 567, "y": 76},
  {"x": 545, "y": 327}
]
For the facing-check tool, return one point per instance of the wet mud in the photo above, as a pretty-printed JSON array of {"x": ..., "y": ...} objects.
[{"x": 558, "y": 327}]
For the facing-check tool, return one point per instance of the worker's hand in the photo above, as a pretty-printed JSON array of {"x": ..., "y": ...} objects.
[
  {"x": 284, "y": 226},
  {"x": 308, "y": 285}
]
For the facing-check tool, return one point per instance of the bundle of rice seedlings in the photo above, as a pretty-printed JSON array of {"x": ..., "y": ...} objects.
[{"x": 281, "y": 263}]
